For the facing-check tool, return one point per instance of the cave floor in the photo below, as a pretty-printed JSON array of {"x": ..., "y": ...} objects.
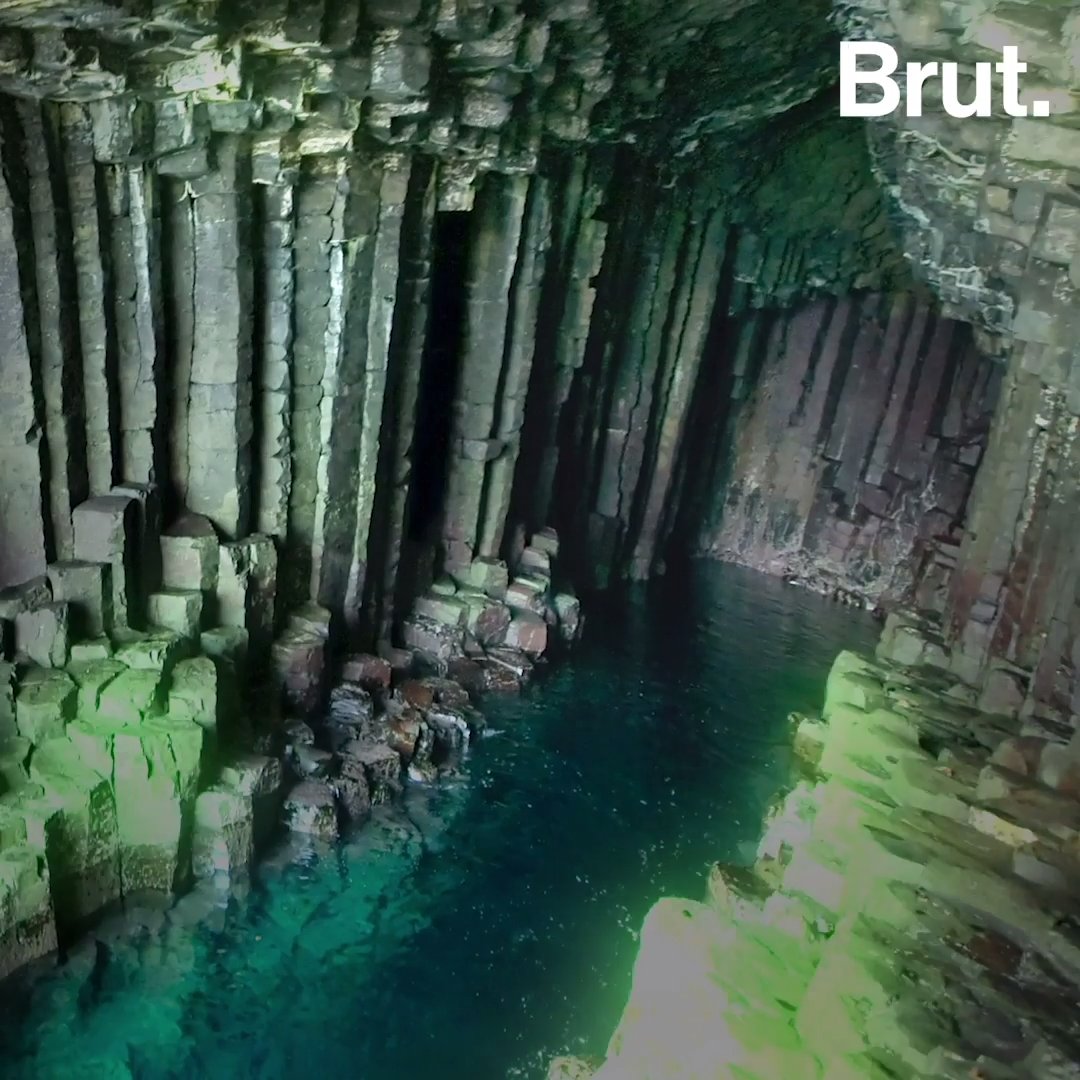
[{"x": 483, "y": 925}]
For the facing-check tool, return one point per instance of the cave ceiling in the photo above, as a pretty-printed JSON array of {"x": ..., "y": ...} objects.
[{"x": 447, "y": 77}]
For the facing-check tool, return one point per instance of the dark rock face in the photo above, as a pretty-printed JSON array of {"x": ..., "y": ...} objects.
[{"x": 850, "y": 459}]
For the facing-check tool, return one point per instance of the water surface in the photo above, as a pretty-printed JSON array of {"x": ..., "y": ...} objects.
[{"x": 484, "y": 925}]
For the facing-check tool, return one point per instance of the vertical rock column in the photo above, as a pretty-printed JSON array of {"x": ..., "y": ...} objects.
[
  {"x": 273, "y": 376},
  {"x": 1018, "y": 563},
  {"x": 178, "y": 269},
  {"x": 61, "y": 376},
  {"x": 219, "y": 421},
  {"x": 339, "y": 398},
  {"x": 22, "y": 493},
  {"x": 402, "y": 392},
  {"x": 103, "y": 453},
  {"x": 520, "y": 347},
  {"x": 578, "y": 243},
  {"x": 137, "y": 306},
  {"x": 689, "y": 328},
  {"x": 385, "y": 268},
  {"x": 500, "y": 206},
  {"x": 316, "y": 196}
]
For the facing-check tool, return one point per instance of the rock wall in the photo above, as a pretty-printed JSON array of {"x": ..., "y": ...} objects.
[
  {"x": 913, "y": 830},
  {"x": 988, "y": 215},
  {"x": 355, "y": 284},
  {"x": 846, "y": 449}
]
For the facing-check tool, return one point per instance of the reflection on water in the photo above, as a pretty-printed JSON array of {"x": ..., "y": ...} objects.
[{"x": 482, "y": 926}]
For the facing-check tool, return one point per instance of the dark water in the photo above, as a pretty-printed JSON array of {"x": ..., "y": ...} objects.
[{"x": 485, "y": 925}]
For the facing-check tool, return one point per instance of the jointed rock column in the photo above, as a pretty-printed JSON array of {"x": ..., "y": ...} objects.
[{"x": 499, "y": 213}]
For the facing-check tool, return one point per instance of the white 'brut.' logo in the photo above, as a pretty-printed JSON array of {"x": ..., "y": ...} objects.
[{"x": 916, "y": 75}]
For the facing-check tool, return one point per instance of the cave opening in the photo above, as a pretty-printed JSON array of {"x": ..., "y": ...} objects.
[{"x": 439, "y": 371}]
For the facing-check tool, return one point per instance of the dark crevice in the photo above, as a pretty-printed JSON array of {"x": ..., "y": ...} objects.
[{"x": 440, "y": 369}]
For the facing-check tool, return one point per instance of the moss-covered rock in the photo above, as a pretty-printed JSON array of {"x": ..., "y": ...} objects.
[{"x": 45, "y": 704}]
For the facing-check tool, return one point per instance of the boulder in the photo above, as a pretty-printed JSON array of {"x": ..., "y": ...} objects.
[
  {"x": 177, "y": 610},
  {"x": 42, "y": 635},
  {"x": 310, "y": 808},
  {"x": 222, "y": 839},
  {"x": 86, "y": 588},
  {"x": 370, "y": 672}
]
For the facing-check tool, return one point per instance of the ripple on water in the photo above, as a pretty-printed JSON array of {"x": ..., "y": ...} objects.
[{"x": 481, "y": 926}]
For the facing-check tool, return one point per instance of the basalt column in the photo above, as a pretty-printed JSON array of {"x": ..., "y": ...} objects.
[
  {"x": 22, "y": 449},
  {"x": 1012, "y": 617},
  {"x": 854, "y": 430},
  {"x": 219, "y": 394},
  {"x": 485, "y": 373}
]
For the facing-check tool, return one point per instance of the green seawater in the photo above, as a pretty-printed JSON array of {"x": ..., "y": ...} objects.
[{"x": 483, "y": 925}]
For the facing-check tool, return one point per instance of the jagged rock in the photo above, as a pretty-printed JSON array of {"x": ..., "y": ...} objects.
[
  {"x": 159, "y": 650},
  {"x": 311, "y": 619},
  {"x": 513, "y": 661},
  {"x": 193, "y": 692},
  {"x": 15, "y": 599},
  {"x": 173, "y": 609},
  {"x": 45, "y": 703},
  {"x": 189, "y": 555},
  {"x": 132, "y": 696},
  {"x": 86, "y": 588},
  {"x": 370, "y": 672},
  {"x": 27, "y": 925},
  {"x": 535, "y": 561},
  {"x": 95, "y": 649},
  {"x": 353, "y": 797},
  {"x": 431, "y": 638},
  {"x": 445, "y": 610},
  {"x": 527, "y": 632},
  {"x": 106, "y": 530},
  {"x": 7, "y": 701},
  {"x": 526, "y": 594},
  {"x": 417, "y": 693},
  {"x": 299, "y": 662},
  {"x": 80, "y": 828},
  {"x": 547, "y": 541},
  {"x": 568, "y": 611},
  {"x": 488, "y": 576},
  {"x": 223, "y": 834},
  {"x": 42, "y": 635},
  {"x": 405, "y": 731},
  {"x": 450, "y": 726},
  {"x": 310, "y": 809},
  {"x": 350, "y": 705},
  {"x": 449, "y": 692},
  {"x": 309, "y": 761},
  {"x": 91, "y": 676},
  {"x": 377, "y": 763},
  {"x": 297, "y": 733}
]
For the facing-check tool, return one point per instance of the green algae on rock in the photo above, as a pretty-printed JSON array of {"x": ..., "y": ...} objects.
[{"x": 888, "y": 853}]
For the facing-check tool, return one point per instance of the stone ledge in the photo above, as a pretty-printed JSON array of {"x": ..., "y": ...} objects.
[{"x": 881, "y": 850}]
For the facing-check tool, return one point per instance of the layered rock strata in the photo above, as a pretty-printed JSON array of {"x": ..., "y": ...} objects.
[{"x": 909, "y": 913}]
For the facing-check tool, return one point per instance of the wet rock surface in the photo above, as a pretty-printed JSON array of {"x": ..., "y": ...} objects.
[
  {"x": 127, "y": 760},
  {"x": 908, "y": 913}
]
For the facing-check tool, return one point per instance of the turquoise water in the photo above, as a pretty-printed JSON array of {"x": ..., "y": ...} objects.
[{"x": 482, "y": 926}]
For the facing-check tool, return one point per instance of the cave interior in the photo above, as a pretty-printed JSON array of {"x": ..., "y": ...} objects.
[{"x": 338, "y": 334}]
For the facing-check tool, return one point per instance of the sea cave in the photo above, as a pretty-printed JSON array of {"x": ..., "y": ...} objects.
[{"x": 533, "y": 544}]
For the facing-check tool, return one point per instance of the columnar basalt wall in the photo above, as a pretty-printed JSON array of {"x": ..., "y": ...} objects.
[
  {"x": 228, "y": 246},
  {"x": 855, "y": 429},
  {"x": 988, "y": 214}
]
